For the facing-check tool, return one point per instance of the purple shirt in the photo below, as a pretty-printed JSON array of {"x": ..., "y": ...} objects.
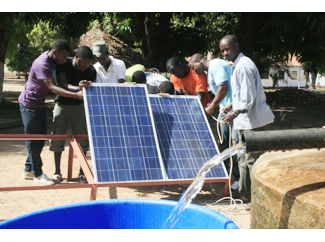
[{"x": 33, "y": 96}]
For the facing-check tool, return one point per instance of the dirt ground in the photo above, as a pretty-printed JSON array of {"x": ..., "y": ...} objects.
[{"x": 293, "y": 108}]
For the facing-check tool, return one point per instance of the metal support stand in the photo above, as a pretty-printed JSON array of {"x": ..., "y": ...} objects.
[{"x": 75, "y": 148}]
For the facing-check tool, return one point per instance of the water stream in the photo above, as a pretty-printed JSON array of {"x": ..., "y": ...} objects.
[{"x": 197, "y": 184}]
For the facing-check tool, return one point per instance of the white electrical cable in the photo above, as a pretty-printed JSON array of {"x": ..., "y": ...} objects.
[
  {"x": 233, "y": 206},
  {"x": 218, "y": 128}
]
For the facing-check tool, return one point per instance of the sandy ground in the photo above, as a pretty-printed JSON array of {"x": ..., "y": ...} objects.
[{"x": 14, "y": 203}]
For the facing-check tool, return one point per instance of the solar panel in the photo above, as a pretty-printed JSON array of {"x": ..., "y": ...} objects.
[
  {"x": 121, "y": 134},
  {"x": 184, "y": 136},
  {"x": 134, "y": 136}
]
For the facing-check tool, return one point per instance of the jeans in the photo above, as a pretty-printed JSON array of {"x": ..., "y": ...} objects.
[
  {"x": 35, "y": 122},
  {"x": 225, "y": 145}
]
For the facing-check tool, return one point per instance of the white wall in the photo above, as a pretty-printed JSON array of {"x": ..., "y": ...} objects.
[
  {"x": 288, "y": 82},
  {"x": 320, "y": 80}
]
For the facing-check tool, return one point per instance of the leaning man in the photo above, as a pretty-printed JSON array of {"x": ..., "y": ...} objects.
[
  {"x": 74, "y": 74},
  {"x": 33, "y": 109}
]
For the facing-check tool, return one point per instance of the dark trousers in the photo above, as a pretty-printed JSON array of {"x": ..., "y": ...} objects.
[
  {"x": 35, "y": 122},
  {"x": 245, "y": 164}
]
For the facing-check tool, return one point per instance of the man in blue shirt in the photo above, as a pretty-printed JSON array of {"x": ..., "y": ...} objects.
[
  {"x": 219, "y": 72},
  {"x": 250, "y": 110}
]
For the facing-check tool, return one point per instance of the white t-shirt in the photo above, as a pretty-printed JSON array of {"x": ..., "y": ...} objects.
[
  {"x": 115, "y": 71},
  {"x": 153, "y": 81}
]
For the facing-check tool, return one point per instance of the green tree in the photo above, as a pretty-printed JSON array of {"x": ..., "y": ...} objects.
[
  {"x": 271, "y": 38},
  {"x": 163, "y": 35},
  {"x": 6, "y": 20},
  {"x": 24, "y": 48},
  {"x": 71, "y": 26}
]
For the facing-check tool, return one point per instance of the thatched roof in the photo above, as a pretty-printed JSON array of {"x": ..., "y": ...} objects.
[{"x": 117, "y": 48}]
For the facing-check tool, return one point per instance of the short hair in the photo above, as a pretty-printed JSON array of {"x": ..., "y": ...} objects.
[
  {"x": 60, "y": 45},
  {"x": 232, "y": 39},
  {"x": 167, "y": 87},
  {"x": 139, "y": 77},
  {"x": 85, "y": 52},
  {"x": 174, "y": 62},
  {"x": 195, "y": 58}
]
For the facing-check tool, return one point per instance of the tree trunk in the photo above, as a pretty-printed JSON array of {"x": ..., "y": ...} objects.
[
  {"x": 307, "y": 78},
  {"x": 139, "y": 18},
  {"x": 313, "y": 80},
  {"x": 149, "y": 24},
  {"x": 1, "y": 80},
  {"x": 275, "y": 81},
  {"x": 146, "y": 23},
  {"x": 6, "y": 20}
]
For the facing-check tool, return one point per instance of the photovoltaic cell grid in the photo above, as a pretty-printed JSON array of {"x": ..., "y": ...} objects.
[
  {"x": 121, "y": 134},
  {"x": 184, "y": 136},
  {"x": 123, "y": 126}
]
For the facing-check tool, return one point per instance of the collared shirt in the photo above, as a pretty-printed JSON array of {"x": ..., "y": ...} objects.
[
  {"x": 115, "y": 71},
  {"x": 248, "y": 94},
  {"x": 33, "y": 95}
]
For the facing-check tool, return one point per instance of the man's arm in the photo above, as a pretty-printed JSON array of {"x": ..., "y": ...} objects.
[
  {"x": 62, "y": 81},
  {"x": 50, "y": 83},
  {"x": 200, "y": 95},
  {"x": 179, "y": 92},
  {"x": 121, "y": 72},
  {"x": 221, "y": 93}
]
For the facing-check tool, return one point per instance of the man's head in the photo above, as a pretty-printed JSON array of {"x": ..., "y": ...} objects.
[
  {"x": 83, "y": 58},
  {"x": 177, "y": 67},
  {"x": 100, "y": 49},
  {"x": 229, "y": 47},
  {"x": 60, "y": 51},
  {"x": 196, "y": 63},
  {"x": 166, "y": 87},
  {"x": 139, "y": 77}
]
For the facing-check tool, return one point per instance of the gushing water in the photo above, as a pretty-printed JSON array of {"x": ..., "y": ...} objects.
[{"x": 197, "y": 184}]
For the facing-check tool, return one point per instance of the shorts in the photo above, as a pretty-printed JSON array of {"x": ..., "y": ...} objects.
[{"x": 65, "y": 116}]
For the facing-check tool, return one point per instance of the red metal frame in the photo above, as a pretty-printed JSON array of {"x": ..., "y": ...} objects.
[{"x": 75, "y": 147}]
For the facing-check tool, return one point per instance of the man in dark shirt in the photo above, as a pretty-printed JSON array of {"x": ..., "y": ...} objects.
[{"x": 69, "y": 112}]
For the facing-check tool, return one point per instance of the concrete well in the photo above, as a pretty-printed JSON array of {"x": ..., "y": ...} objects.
[{"x": 288, "y": 190}]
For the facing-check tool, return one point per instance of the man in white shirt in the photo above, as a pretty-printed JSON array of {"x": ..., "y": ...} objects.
[
  {"x": 153, "y": 81},
  {"x": 108, "y": 68},
  {"x": 250, "y": 110},
  {"x": 136, "y": 74}
]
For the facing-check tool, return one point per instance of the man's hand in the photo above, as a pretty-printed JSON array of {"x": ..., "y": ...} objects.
[
  {"x": 209, "y": 110},
  {"x": 228, "y": 118},
  {"x": 80, "y": 95},
  {"x": 165, "y": 95},
  {"x": 84, "y": 83},
  {"x": 227, "y": 108}
]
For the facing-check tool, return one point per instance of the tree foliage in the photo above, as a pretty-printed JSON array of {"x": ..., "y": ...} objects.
[
  {"x": 34, "y": 33},
  {"x": 268, "y": 38},
  {"x": 162, "y": 35}
]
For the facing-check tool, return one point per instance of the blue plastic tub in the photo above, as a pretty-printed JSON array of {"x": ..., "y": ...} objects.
[{"x": 119, "y": 214}]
